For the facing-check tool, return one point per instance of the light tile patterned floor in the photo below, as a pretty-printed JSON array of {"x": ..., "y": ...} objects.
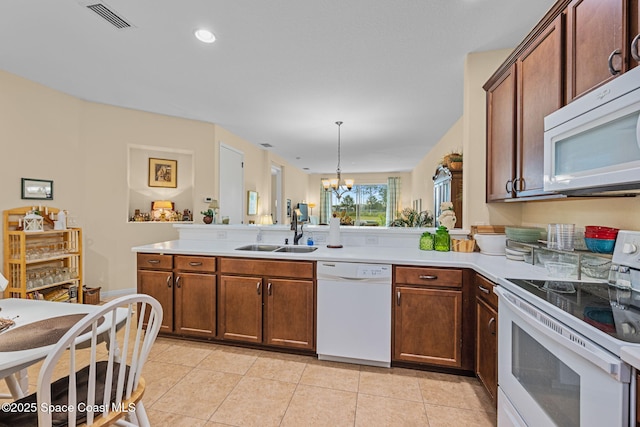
[{"x": 204, "y": 384}]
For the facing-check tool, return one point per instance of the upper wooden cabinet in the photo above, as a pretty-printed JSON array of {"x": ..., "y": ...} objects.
[
  {"x": 576, "y": 47},
  {"x": 596, "y": 50}
]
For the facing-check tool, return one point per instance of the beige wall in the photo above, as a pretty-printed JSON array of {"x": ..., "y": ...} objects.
[{"x": 84, "y": 147}]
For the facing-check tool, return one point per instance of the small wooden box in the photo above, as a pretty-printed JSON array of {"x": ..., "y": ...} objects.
[{"x": 91, "y": 296}]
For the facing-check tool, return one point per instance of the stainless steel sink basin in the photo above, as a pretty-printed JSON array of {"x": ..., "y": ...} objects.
[
  {"x": 259, "y": 248},
  {"x": 296, "y": 249}
]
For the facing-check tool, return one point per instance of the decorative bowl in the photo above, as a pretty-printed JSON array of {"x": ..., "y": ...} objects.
[
  {"x": 491, "y": 244},
  {"x": 560, "y": 269},
  {"x": 596, "y": 268},
  {"x": 600, "y": 246}
]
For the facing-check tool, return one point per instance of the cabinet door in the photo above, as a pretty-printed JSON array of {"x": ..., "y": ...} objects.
[
  {"x": 501, "y": 134},
  {"x": 634, "y": 33},
  {"x": 487, "y": 347},
  {"x": 195, "y": 307},
  {"x": 594, "y": 33},
  {"x": 240, "y": 309},
  {"x": 290, "y": 313},
  {"x": 539, "y": 93},
  {"x": 428, "y": 326},
  {"x": 159, "y": 284}
]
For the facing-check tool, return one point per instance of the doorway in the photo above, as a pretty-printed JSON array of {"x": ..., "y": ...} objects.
[
  {"x": 231, "y": 184},
  {"x": 276, "y": 194}
]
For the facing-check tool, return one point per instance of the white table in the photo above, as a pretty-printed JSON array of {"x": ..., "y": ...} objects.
[{"x": 13, "y": 364}]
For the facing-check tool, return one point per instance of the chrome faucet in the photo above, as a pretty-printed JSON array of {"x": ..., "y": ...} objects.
[{"x": 294, "y": 227}]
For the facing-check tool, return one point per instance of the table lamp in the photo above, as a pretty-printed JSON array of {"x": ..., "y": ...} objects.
[
  {"x": 162, "y": 206},
  {"x": 266, "y": 220}
]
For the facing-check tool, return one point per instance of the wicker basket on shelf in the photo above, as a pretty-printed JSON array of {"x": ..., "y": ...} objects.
[{"x": 91, "y": 296}]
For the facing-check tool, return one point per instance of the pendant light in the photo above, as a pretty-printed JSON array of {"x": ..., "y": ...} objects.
[{"x": 335, "y": 184}]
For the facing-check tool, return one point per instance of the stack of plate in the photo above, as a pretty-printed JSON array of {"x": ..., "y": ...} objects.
[
  {"x": 516, "y": 254},
  {"x": 525, "y": 234}
]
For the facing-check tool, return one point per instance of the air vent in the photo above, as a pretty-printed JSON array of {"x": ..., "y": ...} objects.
[
  {"x": 266, "y": 145},
  {"x": 108, "y": 15}
]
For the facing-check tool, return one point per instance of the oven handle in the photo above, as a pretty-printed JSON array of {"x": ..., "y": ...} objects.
[{"x": 611, "y": 365}]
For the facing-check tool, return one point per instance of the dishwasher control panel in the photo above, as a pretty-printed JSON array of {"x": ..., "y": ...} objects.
[{"x": 354, "y": 271}]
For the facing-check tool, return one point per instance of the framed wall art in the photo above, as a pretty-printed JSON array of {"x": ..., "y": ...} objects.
[
  {"x": 37, "y": 189},
  {"x": 163, "y": 173}
]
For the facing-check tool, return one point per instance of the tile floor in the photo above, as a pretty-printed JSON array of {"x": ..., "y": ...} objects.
[{"x": 203, "y": 384}]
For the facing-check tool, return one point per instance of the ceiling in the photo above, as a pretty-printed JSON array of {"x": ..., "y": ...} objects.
[{"x": 281, "y": 72}]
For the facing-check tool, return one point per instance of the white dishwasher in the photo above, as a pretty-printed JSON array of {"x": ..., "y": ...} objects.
[{"x": 354, "y": 313}]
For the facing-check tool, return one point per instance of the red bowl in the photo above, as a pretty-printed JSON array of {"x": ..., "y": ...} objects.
[
  {"x": 600, "y": 229},
  {"x": 606, "y": 236}
]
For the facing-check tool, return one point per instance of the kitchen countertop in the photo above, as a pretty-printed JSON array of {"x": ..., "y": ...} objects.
[{"x": 492, "y": 267}]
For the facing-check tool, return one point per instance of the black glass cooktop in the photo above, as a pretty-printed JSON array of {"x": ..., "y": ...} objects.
[{"x": 608, "y": 308}]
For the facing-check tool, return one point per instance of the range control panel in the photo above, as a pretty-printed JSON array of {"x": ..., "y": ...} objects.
[{"x": 627, "y": 249}]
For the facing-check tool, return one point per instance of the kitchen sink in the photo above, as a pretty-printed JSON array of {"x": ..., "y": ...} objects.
[
  {"x": 296, "y": 249},
  {"x": 259, "y": 248}
]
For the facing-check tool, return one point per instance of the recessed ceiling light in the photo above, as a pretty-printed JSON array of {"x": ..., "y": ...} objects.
[{"x": 205, "y": 36}]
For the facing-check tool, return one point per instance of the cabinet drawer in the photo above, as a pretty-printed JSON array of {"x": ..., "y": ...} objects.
[
  {"x": 484, "y": 291},
  {"x": 155, "y": 261},
  {"x": 261, "y": 267},
  {"x": 437, "y": 277},
  {"x": 204, "y": 264}
]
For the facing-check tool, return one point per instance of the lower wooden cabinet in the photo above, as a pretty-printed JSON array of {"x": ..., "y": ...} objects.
[
  {"x": 427, "y": 316},
  {"x": 185, "y": 286},
  {"x": 487, "y": 336},
  {"x": 263, "y": 309}
]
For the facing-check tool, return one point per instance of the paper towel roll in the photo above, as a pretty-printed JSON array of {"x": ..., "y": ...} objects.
[{"x": 334, "y": 233}]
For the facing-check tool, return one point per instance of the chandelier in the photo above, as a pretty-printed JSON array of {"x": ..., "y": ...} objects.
[{"x": 335, "y": 184}]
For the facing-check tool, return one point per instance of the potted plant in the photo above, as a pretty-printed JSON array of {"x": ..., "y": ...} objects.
[
  {"x": 455, "y": 161},
  {"x": 412, "y": 218},
  {"x": 208, "y": 216}
]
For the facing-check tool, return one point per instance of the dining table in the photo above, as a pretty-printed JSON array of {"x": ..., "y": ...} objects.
[{"x": 37, "y": 327}]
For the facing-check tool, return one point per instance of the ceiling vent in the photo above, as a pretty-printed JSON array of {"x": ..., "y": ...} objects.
[
  {"x": 267, "y": 145},
  {"x": 103, "y": 11}
]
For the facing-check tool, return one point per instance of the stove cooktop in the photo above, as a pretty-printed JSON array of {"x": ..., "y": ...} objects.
[{"x": 613, "y": 310}]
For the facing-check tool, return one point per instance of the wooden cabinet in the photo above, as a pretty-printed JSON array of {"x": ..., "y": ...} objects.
[
  {"x": 267, "y": 302},
  {"x": 427, "y": 316},
  {"x": 501, "y": 136},
  {"x": 185, "y": 286},
  {"x": 633, "y": 40},
  {"x": 539, "y": 93},
  {"x": 596, "y": 50},
  {"x": 43, "y": 264},
  {"x": 487, "y": 336}
]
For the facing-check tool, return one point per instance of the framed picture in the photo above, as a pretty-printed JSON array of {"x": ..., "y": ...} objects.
[
  {"x": 252, "y": 203},
  {"x": 37, "y": 189},
  {"x": 288, "y": 208},
  {"x": 163, "y": 173}
]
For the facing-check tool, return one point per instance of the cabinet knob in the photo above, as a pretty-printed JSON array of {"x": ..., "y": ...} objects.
[
  {"x": 612, "y": 69},
  {"x": 635, "y": 50}
]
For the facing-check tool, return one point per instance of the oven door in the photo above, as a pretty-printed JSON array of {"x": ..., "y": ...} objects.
[{"x": 552, "y": 376}]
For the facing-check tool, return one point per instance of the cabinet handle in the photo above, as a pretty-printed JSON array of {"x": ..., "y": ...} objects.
[
  {"x": 508, "y": 186},
  {"x": 269, "y": 289},
  {"x": 398, "y": 298},
  {"x": 258, "y": 288},
  {"x": 483, "y": 289},
  {"x": 492, "y": 321},
  {"x": 612, "y": 70},
  {"x": 427, "y": 277},
  {"x": 635, "y": 51},
  {"x": 195, "y": 264},
  {"x": 178, "y": 282},
  {"x": 518, "y": 184},
  {"x": 169, "y": 281},
  {"x": 153, "y": 261}
]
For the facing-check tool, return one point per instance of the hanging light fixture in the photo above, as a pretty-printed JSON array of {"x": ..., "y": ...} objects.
[{"x": 335, "y": 184}]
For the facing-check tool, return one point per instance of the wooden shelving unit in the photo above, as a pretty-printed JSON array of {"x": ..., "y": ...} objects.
[{"x": 42, "y": 264}]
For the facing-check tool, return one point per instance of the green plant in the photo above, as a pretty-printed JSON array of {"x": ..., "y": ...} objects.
[
  {"x": 412, "y": 218},
  {"x": 455, "y": 157},
  {"x": 208, "y": 212}
]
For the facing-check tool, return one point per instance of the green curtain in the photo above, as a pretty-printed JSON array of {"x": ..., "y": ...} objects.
[
  {"x": 393, "y": 198},
  {"x": 325, "y": 205}
]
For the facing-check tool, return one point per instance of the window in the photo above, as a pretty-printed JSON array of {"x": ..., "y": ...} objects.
[{"x": 363, "y": 205}]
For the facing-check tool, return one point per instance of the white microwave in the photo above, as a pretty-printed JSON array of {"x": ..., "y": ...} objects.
[{"x": 592, "y": 145}]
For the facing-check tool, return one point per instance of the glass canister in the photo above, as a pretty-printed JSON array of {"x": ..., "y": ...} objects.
[
  {"x": 442, "y": 239},
  {"x": 426, "y": 241}
]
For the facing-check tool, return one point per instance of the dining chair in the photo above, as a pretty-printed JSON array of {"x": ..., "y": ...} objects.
[{"x": 109, "y": 389}]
